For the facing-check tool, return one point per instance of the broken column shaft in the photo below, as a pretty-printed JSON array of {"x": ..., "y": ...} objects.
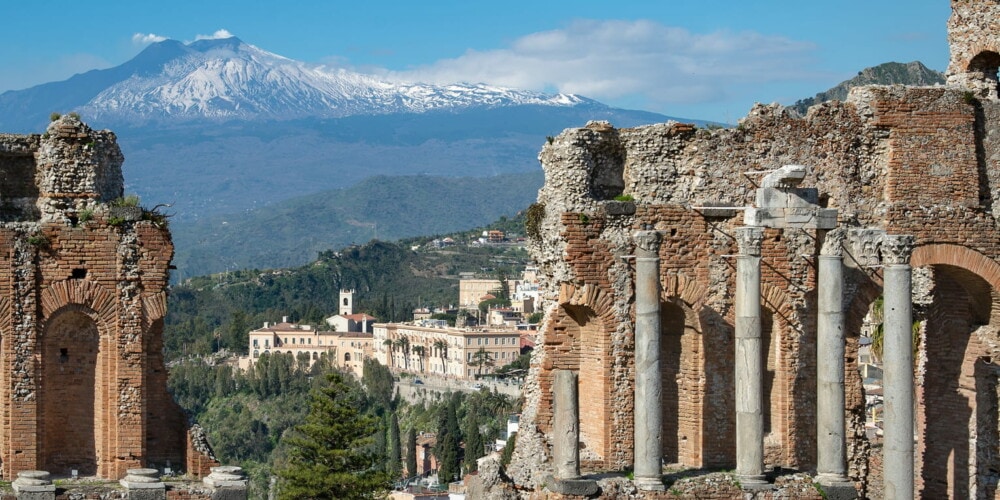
[
  {"x": 566, "y": 428},
  {"x": 648, "y": 385},
  {"x": 898, "y": 368},
  {"x": 749, "y": 393}
]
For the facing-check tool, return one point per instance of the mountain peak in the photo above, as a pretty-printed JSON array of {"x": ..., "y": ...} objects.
[
  {"x": 890, "y": 73},
  {"x": 227, "y": 79},
  {"x": 206, "y": 44}
]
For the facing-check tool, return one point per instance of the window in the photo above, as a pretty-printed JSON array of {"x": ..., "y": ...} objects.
[
  {"x": 470, "y": 356},
  {"x": 302, "y": 340},
  {"x": 255, "y": 343},
  {"x": 310, "y": 340},
  {"x": 256, "y": 353},
  {"x": 480, "y": 341},
  {"x": 315, "y": 355},
  {"x": 496, "y": 341},
  {"x": 470, "y": 342}
]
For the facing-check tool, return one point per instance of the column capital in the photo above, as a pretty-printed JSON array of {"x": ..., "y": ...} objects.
[
  {"x": 749, "y": 240},
  {"x": 896, "y": 248},
  {"x": 833, "y": 242},
  {"x": 647, "y": 243},
  {"x": 864, "y": 245}
]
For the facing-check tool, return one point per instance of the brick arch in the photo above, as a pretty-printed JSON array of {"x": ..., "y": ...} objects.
[
  {"x": 958, "y": 332},
  {"x": 958, "y": 256},
  {"x": 79, "y": 292},
  {"x": 682, "y": 370},
  {"x": 154, "y": 308},
  {"x": 783, "y": 427},
  {"x": 578, "y": 337},
  {"x": 77, "y": 319}
]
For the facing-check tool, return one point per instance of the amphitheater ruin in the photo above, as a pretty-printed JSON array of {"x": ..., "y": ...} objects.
[
  {"x": 706, "y": 291},
  {"x": 83, "y": 286}
]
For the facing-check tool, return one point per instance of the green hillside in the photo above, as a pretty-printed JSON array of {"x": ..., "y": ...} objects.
[
  {"x": 215, "y": 312},
  {"x": 293, "y": 232}
]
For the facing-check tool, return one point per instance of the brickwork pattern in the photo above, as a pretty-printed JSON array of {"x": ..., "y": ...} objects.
[
  {"x": 920, "y": 161},
  {"x": 82, "y": 301}
]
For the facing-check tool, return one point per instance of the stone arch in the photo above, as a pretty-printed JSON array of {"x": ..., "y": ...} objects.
[{"x": 983, "y": 68}]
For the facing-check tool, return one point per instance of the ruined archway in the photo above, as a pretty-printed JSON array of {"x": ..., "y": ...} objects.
[
  {"x": 682, "y": 369},
  {"x": 71, "y": 398},
  {"x": 983, "y": 67}
]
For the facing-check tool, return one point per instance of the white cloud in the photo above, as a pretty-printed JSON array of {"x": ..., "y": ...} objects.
[
  {"x": 147, "y": 38},
  {"x": 610, "y": 60},
  {"x": 222, "y": 33}
]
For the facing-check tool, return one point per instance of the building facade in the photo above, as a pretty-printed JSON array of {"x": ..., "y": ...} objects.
[
  {"x": 433, "y": 347},
  {"x": 346, "y": 350}
]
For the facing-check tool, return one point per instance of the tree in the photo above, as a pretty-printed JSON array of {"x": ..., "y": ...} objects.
[
  {"x": 480, "y": 359},
  {"x": 420, "y": 351},
  {"x": 411, "y": 452},
  {"x": 475, "y": 446},
  {"x": 448, "y": 448},
  {"x": 330, "y": 454},
  {"x": 393, "y": 463},
  {"x": 442, "y": 351}
]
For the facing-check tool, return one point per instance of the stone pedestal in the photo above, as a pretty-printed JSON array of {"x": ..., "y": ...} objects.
[
  {"x": 228, "y": 482},
  {"x": 831, "y": 457},
  {"x": 898, "y": 367},
  {"x": 144, "y": 484},
  {"x": 648, "y": 384},
  {"x": 749, "y": 393},
  {"x": 34, "y": 485}
]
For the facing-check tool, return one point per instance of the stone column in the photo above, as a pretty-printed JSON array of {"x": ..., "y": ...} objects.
[
  {"x": 566, "y": 438},
  {"x": 648, "y": 385},
  {"x": 831, "y": 457},
  {"x": 898, "y": 367},
  {"x": 566, "y": 426},
  {"x": 749, "y": 388}
]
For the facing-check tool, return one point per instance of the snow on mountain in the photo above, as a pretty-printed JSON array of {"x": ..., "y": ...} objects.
[{"x": 227, "y": 78}]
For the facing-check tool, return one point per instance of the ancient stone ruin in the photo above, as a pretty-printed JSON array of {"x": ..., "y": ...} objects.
[
  {"x": 82, "y": 300},
  {"x": 706, "y": 290}
]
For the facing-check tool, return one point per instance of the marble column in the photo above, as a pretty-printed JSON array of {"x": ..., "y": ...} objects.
[
  {"x": 898, "y": 367},
  {"x": 749, "y": 388},
  {"x": 831, "y": 457},
  {"x": 566, "y": 426},
  {"x": 648, "y": 383}
]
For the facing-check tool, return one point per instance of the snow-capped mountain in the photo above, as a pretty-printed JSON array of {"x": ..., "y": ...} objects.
[{"x": 230, "y": 79}]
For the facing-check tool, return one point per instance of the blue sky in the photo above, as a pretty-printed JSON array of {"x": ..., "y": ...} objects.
[{"x": 686, "y": 58}]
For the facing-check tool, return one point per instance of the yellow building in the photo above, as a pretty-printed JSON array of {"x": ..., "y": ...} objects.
[{"x": 430, "y": 346}]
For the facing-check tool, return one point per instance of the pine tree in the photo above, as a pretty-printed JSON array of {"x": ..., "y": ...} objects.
[{"x": 328, "y": 457}]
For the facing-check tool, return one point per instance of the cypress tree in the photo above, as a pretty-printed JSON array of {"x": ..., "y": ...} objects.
[
  {"x": 474, "y": 442},
  {"x": 448, "y": 447},
  {"x": 395, "y": 460},
  {"x": 328, "y": 454},
  {"x": 411, "y": 452}
]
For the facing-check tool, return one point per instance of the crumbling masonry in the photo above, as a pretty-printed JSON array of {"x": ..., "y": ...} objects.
[
  {"x": 912, "y": 178},
  {"x": 82, "y": 301}
]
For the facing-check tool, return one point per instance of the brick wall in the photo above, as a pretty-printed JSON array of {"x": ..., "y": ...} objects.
[{"x": 920, "y": 161}]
